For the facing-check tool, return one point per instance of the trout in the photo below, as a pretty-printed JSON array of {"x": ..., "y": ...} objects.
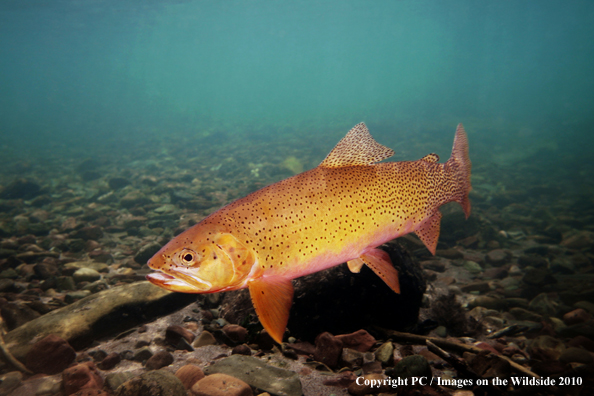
[{"x": 338, "y": 212}]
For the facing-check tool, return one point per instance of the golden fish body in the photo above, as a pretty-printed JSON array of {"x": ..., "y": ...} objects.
[{"x": 337, "y": 212}]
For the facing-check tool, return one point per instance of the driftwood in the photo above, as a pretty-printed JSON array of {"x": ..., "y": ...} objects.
[
  {"x": 452, "y": 346},
  {"x": 11, "y": 359}
]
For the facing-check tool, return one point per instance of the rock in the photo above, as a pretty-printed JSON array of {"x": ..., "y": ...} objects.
[
  {"x": 487, "y": 365},
  {"x": 71, "y": 268},
  {"x": 451, "y": 254},
  {"x": 20, "y": 189},
  {"x": 303, "y": 348},
  {"x": 488, "y": 302},
  {"x": 110, "y": 361},
  {"x": 576, "y": 316},
  {"x": 71, "y": 297},
  {"x": 352, "y": 358},
  {"x": 576, "y": 355},
  {"x": 339, "y": 301},
  {"x": 360, "y": 340},
  {"x": 543, "y": 305},
  {"x": 495, "y": 273},
  {"x": 9, "y": 382},
  {"x": 265, "y": 341},
  {"x": 497, "y": 257},
  {"x": 532, "y": 260},
  {"x": 434, "y": 265},
  {"x": 538, "y": 277},
  {"x": 134, "y": 198},
  {"x": 242, "y": 350},
  {"x": 561, "y": 265},
  {"x": 115, "y": 183},
  {"x": 45, "y": 270},
  {"x": 134, "y": 221},
  {"x": 41, "y": 385},
  {"x": 152, "y": 383},
  {"x": 258, "y": 374},
  {"x": 142, "y": 354},
  {"x": 9, "y": 274},
  {"x": 342, "y": 380},
  {"x": 50, "y": 355},
  {"x": 549, "y": 368},
  {"x": 98, "y": 315},
  {"x": 97, "y": 354},
  {"x": 114, "y": 380},
  {"x": 221, "y": 385},
  {"x": 524, "y": 314},
  {"x": 385, "y": 353},
  {"x": 174, "y": 333},
  {"x": 89, "y": 233},
  {"x": 236, "y": 333},
  {"x": 582, "y": 342},
  {"x": 481, "y": 287},
  {"x": 189, "y": 375},
  {"x": 441, "y": 331},
  {"x": 586, "y": 305},
  {"x": 470, "y": 242},
  {"x": 91, "y": 392},
  {"x": 472, "y": 267},
  {"x": 17, "y": 314},
  {"x": 205, "y": 338},
  {"x": 86, "y": 275},
  {"x": 412, "y": 366},
  {"x": 546, "y": 348},
  {"x": 65, "y": 283},
  {"x": 146, "y": 252},
  {"x": 328, "y": 349},
  {"x": 579, "y": 240},
  {"x": 159, "y": 360},
  {"x": 142, "y": 342},
  {"x": 81, "y": 376}
]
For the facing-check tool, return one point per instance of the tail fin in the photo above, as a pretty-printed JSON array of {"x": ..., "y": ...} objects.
[{"x": 460, "y": 162}]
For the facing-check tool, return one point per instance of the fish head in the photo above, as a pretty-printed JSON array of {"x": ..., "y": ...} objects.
[{"x": 202, "y": 259}]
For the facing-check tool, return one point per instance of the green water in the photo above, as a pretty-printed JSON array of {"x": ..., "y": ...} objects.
[{"x": 79, "y": 76}]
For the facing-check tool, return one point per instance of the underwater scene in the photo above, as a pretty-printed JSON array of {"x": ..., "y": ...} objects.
[{"x": 319, "y": 198}]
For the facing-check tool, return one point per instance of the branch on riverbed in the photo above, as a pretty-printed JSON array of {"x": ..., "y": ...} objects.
[{"x": 450, "y": 345}]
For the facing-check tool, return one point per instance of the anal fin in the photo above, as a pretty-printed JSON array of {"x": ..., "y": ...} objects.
[
  {"x": 428, "y": 231},
  {"x": 272, "y": 298},
  {"x": 380, "y": 263}
]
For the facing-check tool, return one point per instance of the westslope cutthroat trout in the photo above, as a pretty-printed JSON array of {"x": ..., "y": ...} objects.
[{"x": 337, "y": 212}]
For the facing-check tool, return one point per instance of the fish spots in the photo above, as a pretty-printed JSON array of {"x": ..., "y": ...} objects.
[{"x": 345, "y": 201}]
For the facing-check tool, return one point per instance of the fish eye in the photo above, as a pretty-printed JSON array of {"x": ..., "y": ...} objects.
[{"x": 188, "y": 257}]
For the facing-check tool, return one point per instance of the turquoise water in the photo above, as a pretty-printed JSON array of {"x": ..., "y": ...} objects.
[{"x": 78, "y": 76}]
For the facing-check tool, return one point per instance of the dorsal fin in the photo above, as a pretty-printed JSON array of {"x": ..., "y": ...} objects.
[
  {"x": 356, "y": 148},
  {"x": 431, "y": 158}
]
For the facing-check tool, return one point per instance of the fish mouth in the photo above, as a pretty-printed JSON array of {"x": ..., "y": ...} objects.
[{"x": 181, "y": 283}]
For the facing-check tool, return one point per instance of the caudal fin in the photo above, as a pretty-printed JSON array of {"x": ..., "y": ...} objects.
[{"x": 460, "y": 163}]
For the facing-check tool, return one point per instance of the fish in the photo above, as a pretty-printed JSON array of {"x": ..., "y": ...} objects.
[{"x": 337, "y": 212}]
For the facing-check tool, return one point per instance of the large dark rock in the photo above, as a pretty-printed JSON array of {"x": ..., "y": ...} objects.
[{"x": 339, "y": 301}]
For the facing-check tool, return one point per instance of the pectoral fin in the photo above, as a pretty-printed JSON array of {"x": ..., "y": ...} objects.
[
  {"x": 380, "y": 263},
  {"x": 355, "y": 265},
  {"x": 428, "y": 231},
  {"x": 272, "y": 297}
]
